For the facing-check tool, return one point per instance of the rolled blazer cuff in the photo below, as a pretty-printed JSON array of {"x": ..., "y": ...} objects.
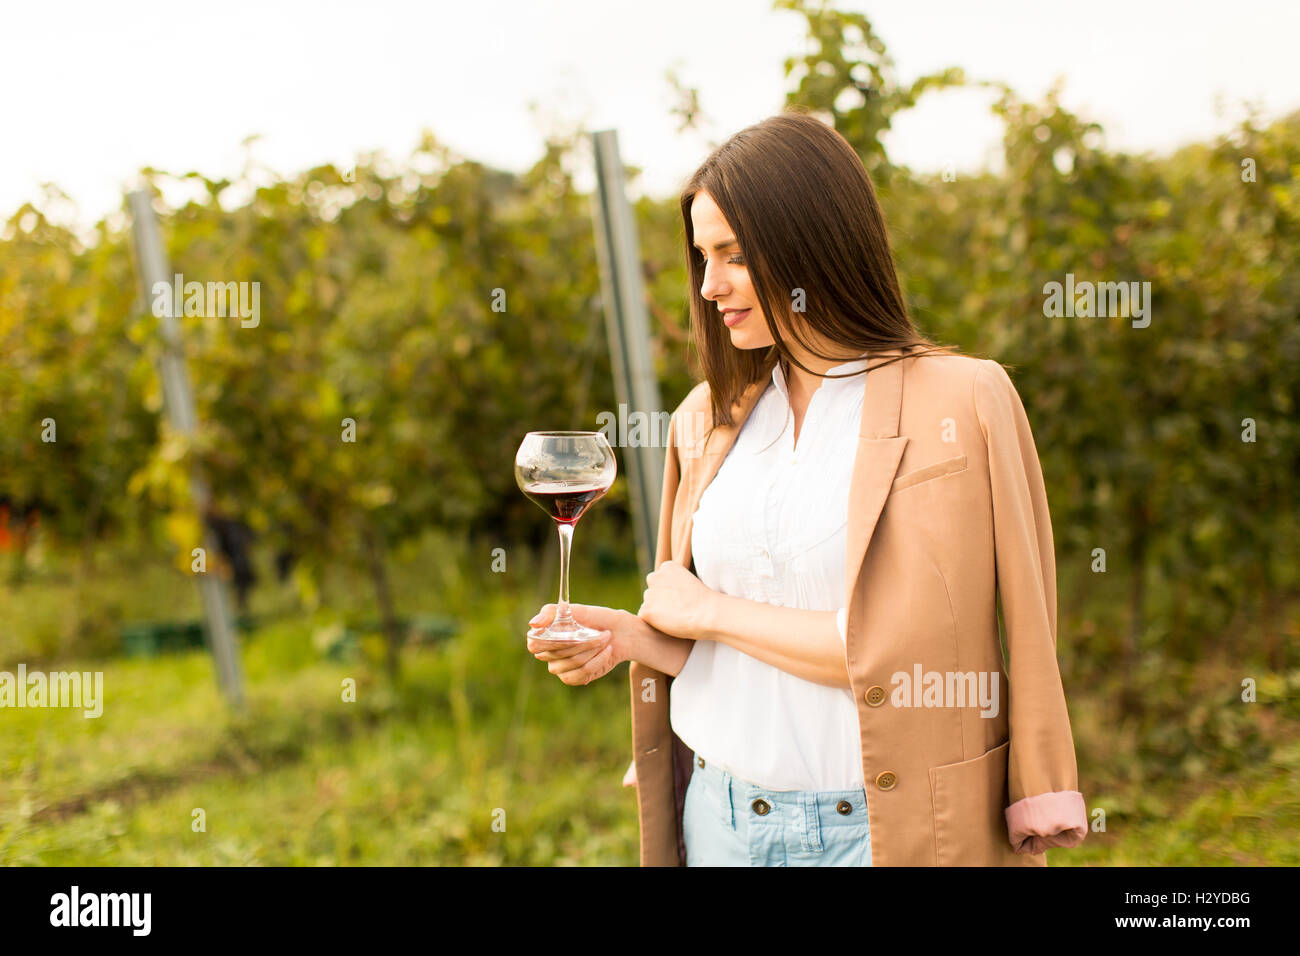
[{"x": 1057, "y": 819}]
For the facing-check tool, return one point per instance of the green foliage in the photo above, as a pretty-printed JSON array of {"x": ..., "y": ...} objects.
[
  {"x": 415, "y": 776},
  {"x": 377, "y": 291},
  {"x": 377, "y": 299},
  {"x": 848, "y": 75},
  {"x": 411, "y": 775},
  {"x": 68, "y": 358}
]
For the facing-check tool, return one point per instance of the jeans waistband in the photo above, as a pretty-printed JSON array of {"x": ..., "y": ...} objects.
[{"x": 809, "y": 810}]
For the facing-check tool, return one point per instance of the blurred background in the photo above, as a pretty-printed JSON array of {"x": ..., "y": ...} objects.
[{"x": 380, "y": 170}]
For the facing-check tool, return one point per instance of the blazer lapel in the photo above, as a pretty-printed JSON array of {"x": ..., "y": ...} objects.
[{"x": 880, "y": 450}]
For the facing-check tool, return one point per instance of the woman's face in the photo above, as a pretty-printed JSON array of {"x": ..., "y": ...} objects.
[{"x": 726, "y": 277}]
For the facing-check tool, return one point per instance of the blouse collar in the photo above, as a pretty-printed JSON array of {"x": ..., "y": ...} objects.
[{"x": 778, "y": 377}]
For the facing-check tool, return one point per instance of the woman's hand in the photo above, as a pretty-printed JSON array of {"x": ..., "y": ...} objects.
[
  {"x": 581, "y": 663},
  {"x": 677, "y": 602}
]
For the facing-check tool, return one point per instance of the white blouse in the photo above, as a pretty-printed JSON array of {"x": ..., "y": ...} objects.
[{"x": 771, "y": 527}]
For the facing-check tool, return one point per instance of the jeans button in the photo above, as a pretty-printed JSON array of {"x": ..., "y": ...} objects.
[
  {"x": 844, "y": 807},
  {"x": 699, "y": 761},
  {"x": 761, "y": 807}
]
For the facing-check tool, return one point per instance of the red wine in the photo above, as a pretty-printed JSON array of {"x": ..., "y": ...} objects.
[{"x": 565, "y": 501}]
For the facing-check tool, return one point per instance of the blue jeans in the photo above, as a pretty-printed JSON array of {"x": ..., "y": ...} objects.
[{"x": 730, "y": 822}]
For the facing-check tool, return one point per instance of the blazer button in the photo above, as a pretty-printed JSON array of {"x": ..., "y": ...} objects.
[
  {"x": 844, "y": 807},
  {"x": 886, "y": 780},
  {"x": 761, "y": 807},
  {"x": 699, "y": 761},
  {"x": 875, "y": 696}
]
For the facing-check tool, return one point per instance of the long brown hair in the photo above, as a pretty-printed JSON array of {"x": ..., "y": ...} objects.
[{"x": 805, "y": 216}]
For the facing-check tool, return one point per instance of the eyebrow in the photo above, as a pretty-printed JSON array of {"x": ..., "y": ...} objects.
[{"x": 718, "y": 245}]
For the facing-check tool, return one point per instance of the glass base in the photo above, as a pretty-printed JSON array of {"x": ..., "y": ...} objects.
[{"x": 572, "y": 631}]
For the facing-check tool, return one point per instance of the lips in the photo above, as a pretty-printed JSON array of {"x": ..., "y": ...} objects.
[{"x": 733, "y": 319}]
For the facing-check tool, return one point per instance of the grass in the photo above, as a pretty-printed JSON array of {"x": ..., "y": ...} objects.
[
  {"x": 479, "y": 757},
  {"x": 1250, "y": 820}
]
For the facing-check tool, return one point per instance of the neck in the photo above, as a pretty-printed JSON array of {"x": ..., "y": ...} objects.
[{"x": 802, "y": 384}]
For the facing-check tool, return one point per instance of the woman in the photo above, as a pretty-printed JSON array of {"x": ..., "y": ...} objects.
[{"x": 830, "y": 554}]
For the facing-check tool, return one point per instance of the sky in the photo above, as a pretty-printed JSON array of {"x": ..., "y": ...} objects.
[{"x": 93, "y": 91}]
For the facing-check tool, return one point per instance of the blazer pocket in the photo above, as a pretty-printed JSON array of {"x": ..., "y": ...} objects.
[
  {"x": 940, "y": 468},
  {"x": 969, "y": 798}
]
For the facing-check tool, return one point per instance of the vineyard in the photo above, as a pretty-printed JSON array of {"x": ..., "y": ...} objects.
[{"x": 444, "y": 308}]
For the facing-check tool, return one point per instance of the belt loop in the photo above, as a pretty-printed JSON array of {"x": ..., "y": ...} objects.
[{"x": 812, "y": 826}]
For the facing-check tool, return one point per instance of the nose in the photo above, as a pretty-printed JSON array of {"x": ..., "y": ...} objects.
[{"x": 712, "y": 287}]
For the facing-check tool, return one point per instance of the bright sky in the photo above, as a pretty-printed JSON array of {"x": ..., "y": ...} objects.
[{"x": 93, "y": 91}]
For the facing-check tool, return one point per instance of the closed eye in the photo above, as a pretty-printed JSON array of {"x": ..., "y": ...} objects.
[{"x": 736, "y": 260}]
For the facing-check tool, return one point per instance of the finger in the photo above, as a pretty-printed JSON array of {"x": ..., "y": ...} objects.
[
  {"x": 575, "y": 655},
  {"x": 560, "y": 650},
  {"x": 582, "y": 613},
  {"x": 581, "y": 676},
  {"x": 575, "y": 661},
  {"x": 559, "y": 644},
  {"x": 555, "y": 654},
  {"x": 565, "y": 668},
  {"x": 599, "y": 666},
  {"x": 536, "y": 644},
  {"x": 543, "y": 617}
]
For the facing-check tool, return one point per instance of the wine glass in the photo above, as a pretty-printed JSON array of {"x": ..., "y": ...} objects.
[{"x": 563, "y": 473}]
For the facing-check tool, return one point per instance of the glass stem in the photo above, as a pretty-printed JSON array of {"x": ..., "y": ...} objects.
[{"x": 562, "y": 615}]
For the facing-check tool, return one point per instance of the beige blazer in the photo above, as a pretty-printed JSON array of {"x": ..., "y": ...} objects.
[{"x": 947, "y": 511}]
